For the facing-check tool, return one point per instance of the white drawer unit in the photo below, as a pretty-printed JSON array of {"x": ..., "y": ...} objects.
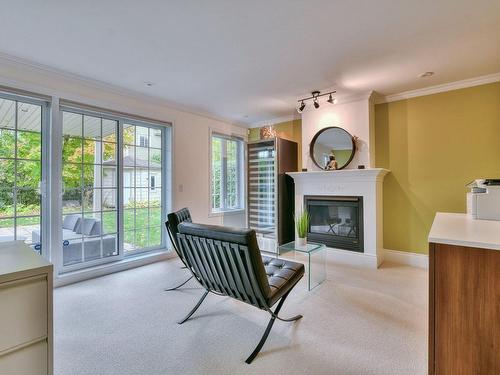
[{"x": 26, "y": 331}]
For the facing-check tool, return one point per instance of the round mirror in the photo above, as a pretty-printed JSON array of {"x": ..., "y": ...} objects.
[{"x": 332, "y": 148}]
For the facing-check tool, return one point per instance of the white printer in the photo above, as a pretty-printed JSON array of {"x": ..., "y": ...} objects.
[{"x": 483, "y": 199}]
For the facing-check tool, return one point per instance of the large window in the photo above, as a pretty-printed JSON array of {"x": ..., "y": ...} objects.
[
  {"x": 227, "y": 173},
  {"x": 114, "y": 191},
  {"x": 86, "y": 188},
  {"x": 21, "y": 170}
]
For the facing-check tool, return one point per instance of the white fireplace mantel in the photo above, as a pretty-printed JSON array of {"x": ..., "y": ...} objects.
[{"x": 366, "y": 183}]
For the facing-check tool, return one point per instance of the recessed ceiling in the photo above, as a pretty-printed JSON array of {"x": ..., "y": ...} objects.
[{"x": 249, "y": 61}]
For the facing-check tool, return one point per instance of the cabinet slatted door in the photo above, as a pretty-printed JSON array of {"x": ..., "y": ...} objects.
[
  {"x": 262, "y": 188},
  {"x": 271, "y": 192}
]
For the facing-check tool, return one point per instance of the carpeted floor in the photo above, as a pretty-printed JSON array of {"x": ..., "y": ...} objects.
[{"x": 359, "y": 321}]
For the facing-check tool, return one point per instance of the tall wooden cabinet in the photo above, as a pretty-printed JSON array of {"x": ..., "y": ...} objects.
[
  {"x": 25, "y": 311},
  {"x": 464, "y": 296},
  {"x": 271, "y": 193}
]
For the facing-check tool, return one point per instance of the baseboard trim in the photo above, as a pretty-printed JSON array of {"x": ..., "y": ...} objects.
[
  {"x": 351, "y": 258},
  {"x": 106, "y": 269},
  {"x": 407, "y": 258}
]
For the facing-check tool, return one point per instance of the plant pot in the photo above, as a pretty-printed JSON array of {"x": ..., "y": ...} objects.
[{"x": 301, "y": 241}]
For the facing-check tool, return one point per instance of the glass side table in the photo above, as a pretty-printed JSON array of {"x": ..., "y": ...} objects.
[{"x": 316, "y": 260}]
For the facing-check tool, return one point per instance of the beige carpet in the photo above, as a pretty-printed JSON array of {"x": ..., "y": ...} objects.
[{"x": 358, "y": 322}]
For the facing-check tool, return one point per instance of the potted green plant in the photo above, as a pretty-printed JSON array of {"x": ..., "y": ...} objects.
[{"x": 302, "y": 225}]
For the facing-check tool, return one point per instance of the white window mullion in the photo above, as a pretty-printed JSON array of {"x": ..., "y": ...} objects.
[
  {"x": 55, "y": 186},
  {"x": 119, "y": 192}
]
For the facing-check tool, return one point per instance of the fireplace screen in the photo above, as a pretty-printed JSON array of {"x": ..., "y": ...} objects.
[{"x": 336, "y": 221}]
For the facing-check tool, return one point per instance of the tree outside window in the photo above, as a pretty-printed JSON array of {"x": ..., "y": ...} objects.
[{"x": 227, "y": 173}]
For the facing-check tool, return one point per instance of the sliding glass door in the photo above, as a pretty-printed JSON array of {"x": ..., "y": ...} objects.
[
  {"x": 114, "y": 187},
  {"x": 22, "y": 121},
  {"x": 90, "y": 188}
]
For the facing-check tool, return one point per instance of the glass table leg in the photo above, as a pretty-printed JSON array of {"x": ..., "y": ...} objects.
[{"x": 316, "y": 267}]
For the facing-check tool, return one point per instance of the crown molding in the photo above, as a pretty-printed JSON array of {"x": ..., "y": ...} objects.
[
  {"x": 462, "y": 84},
  {"x": 104, "y": 86}
]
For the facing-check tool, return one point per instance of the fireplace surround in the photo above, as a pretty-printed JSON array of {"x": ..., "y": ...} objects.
[{"x": 349, "y": 183}]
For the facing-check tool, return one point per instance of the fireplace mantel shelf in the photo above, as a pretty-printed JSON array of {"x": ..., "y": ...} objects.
[{"x": 343, "y": 174}]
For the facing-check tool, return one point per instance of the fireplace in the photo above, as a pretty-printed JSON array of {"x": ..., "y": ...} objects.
[{"x": 336, "y": 221}]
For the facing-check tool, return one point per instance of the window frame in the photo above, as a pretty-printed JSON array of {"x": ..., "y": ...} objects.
[
  {"x": 240, "y": 175},
  {"x": 166, "y": 146},
  {"x": 45, "y": 196},
  {"x": 166, "y": 132}
]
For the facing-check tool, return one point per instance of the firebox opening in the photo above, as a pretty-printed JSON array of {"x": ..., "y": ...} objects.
[{"x": 336, "y": 221}]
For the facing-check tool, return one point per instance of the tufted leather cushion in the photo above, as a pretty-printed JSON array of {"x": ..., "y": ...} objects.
[
  {"x": 239, "y": 236},
  {"x": 174, "y": 219},
  {"x": 282, "y": 275}
]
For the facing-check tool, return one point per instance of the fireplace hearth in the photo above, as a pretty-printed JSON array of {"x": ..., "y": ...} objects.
[{"x": 336, "y": 221}]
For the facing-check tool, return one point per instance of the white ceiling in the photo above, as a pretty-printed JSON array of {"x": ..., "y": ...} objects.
[{"x": 249, "y": 61}]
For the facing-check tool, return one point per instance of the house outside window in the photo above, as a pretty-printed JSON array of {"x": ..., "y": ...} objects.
[{"x": 227, "y": 173}]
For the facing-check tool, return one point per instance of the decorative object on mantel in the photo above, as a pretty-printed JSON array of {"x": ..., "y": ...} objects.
[
  {"x": 302, "y": 225},
  {"x": 332, "y": 163},
  {"x": 332, "y": 148},
  {"x": 304, "y": 169},
  {"x": 267, "y": 132},
  {"x": 315, "y": 95},
  {"x": 361, "y": 166}
]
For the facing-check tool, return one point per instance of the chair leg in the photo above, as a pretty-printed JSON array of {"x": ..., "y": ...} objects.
[
  {"x": 195, "y": 308},
  {"x": 274, "y": 316},
  {"x": 178, "y": 286}
]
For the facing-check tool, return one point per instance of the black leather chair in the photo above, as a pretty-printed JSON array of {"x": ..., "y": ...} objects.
[
  {"x": 228, "y": 262},
  {"x": 173, "y": 221}
]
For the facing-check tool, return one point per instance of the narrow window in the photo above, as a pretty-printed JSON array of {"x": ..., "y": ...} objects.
[{"x": 227, "y": 173}]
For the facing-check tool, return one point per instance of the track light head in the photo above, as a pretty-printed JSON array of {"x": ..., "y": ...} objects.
[
  {"x": 301, "y": 107},
  {"x": 316, "y": 103},
  {"x": 330, "y": 99}
]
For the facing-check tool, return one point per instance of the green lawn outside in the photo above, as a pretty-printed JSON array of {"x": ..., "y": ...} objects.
[{"x": 142, "y": 226}]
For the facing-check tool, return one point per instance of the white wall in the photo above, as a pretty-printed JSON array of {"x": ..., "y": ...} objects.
[
  {"x": 353, "y": 116},
  {"x": 190, "y": 131}
]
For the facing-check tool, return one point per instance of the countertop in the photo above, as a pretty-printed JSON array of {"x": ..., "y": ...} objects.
[{"x": 462, "y": 230}]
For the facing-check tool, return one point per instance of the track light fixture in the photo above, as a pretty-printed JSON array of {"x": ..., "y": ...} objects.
[
  {"x": 301, "y": 107},
  {"x": 315, "y": 95}
]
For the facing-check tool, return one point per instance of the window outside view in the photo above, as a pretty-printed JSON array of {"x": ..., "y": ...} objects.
[
  {"x": 227, "y": 180},
  {"x": 89, "y": 188},
  {"x": 142, "y": 182},
  {"x": 20, "y": 171}
]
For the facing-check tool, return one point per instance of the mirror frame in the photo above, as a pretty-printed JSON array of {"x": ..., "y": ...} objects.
[{"x": 313, "y": 142}]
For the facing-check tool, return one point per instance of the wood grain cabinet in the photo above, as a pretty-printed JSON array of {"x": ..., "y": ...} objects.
[
  {"x": 25, "y": 311},
  {"x": 464, "y": 296}
]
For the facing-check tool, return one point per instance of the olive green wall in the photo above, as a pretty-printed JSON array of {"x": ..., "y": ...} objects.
[
  {"x": 433, "y": 146},
  {"x": 291, "y": 130}
]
